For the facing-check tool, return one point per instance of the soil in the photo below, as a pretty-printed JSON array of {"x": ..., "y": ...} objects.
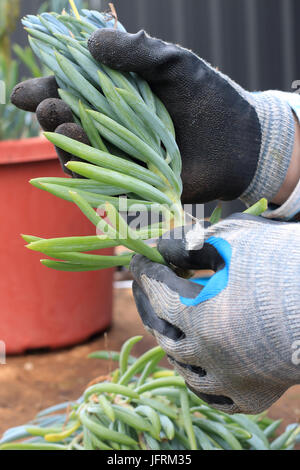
[{"x": 37, "y": 380}]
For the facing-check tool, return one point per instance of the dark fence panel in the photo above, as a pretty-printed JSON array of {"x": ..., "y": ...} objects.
[{"x": 253, "y": 41}]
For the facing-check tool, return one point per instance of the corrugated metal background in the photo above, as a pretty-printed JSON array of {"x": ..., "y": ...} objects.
[{"x": 253, "y": 41}]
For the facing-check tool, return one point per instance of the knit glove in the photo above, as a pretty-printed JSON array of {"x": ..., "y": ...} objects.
[
  {"x": 233, "y": 143},
  {"x": 233, "y": 337}
]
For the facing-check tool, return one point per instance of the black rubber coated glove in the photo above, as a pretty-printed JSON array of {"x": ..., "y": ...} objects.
[{"x": 224, "y": 133}]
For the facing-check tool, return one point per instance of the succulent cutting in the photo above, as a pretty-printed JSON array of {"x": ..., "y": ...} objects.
[{"x": 132, "y": 147}]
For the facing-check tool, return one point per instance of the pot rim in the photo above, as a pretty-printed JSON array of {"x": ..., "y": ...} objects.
[{"x": 33, "y": 149}]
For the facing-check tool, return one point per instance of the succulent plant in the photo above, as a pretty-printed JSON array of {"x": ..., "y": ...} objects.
[
  {"x": 132, "y": 146},
  {"x": 141, "y": 406}
]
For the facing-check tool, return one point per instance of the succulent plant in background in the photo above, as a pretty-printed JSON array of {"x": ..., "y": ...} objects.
[
  {"x": 14, "y": 123},
  {"x": 60, "y": 5},
  {"x": 10, "y": 12},
  {"x": 141, "y": 406}
]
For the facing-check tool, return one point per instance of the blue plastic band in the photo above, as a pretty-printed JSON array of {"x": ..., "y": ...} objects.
[{"x": 216, "y": 283}]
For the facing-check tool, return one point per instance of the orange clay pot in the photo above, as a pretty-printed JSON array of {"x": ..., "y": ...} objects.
[{"x": 40, "y": 307}]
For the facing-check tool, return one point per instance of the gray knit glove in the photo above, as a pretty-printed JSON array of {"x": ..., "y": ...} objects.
[{"x": 234, "y": 338}]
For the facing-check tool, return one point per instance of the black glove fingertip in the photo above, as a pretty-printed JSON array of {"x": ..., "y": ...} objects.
[
  {"x": 52, "y": 112},
  {"x": 29, "y": 94},
  {"x": 175, "y": 252},
  {"x": 73, "y": 131}
]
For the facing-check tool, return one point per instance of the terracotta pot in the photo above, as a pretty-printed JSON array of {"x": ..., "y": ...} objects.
[{"x": 40, "y": 307}]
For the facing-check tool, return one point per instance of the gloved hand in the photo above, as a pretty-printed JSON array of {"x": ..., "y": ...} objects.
[
  {"x": 232, "y": 337},
  {"x": 233, "y": 143}
]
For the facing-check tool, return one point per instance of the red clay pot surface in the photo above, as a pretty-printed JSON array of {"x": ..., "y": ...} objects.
[{"x": 40, "y": 307}]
